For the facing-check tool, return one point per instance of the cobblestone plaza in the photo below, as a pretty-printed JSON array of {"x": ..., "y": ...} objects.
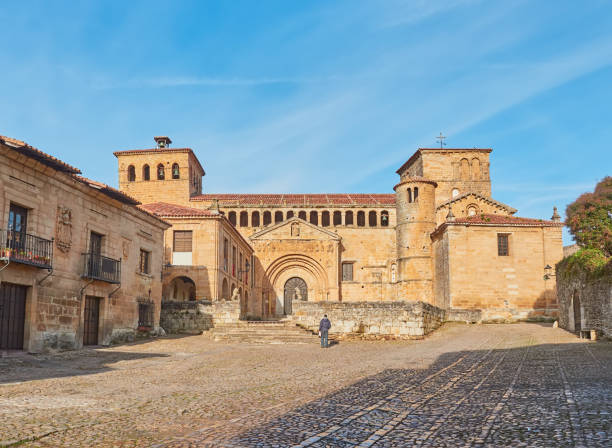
[{"x": 481, "y": 385}]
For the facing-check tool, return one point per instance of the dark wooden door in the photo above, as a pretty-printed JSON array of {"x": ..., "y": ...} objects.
[
  {"x": 577, "y": 314},
  {"x": 12, "y": 316},
  {"x": 91, "y": 320}
]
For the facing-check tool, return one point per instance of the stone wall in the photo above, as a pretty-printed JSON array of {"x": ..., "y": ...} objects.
[
  {"x": 592, "y": 296},
  {"x": 400, "y": 319},
  {"x": 179, "y": 317}
]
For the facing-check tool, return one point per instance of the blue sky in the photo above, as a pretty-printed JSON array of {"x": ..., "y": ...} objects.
[{"x": 318, "y": 96}]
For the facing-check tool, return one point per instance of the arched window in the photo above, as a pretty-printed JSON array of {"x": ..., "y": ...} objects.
[
  {"x": 131, "y": 173},
  {"x": 348, "y": 218},
  {"x": 176, "y": 174},
  {"x": 232, "y": 218},
  {"x": 360, "y": 219},
  {"x": 325, "y": 219},
  {"x": 267, "y": 218},
  {"x": 146, "y": 173},
  {"x": 290, "y": 214},
  {"x": 416, "y": 194},
  {"x": 372, "y": 219},
  {"x": 472, "y": 210},
  {"x": 302, "y": 215},
  {"x": 410, "y": 195},
  {"x": 337, "y": 218},
  {"x": 475, "y": 169},
  {"x": 455, "y": 192},
  {"x": 384, "y": 218},
  {"x": 255, "y": 219},
  {"x": 314, "y": 218},
  {"x": 278, "y": 217},
  {"x": 244, "y": 219},
  {"x": 161, "y": 175},
  {"x": 465, "y": 169}
]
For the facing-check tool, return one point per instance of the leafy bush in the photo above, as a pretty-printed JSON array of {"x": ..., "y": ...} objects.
[
  {"x": 593, "y": 261},
  {"x": 589, "y": 218}
]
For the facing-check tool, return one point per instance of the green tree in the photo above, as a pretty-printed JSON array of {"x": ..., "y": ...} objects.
[{"x": 589, "y": 218}]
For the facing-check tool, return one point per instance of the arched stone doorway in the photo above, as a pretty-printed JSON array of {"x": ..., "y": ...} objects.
[
  {"x": 295, "y": 289},
  {"x": 225, "y": 290},
  {"x": 181, "y": 289}
]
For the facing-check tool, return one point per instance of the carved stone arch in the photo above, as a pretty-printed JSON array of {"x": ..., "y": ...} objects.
[
  {"x": 296, "y": 265},
  {"x": 465, "y": 169},
  {"x": 476, "y": 168}
]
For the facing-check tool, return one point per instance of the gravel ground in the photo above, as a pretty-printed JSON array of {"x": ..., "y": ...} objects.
[{"x": 479, "y": 385}]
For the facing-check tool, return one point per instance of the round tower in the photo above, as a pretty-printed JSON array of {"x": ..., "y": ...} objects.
[{"x": 415, "y": 200}]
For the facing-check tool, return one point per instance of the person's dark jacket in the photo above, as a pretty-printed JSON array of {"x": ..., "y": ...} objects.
[{"x": 325, "y": 324}]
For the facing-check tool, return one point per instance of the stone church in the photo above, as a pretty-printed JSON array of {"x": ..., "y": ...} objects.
[{"x": 439, "y": 238}]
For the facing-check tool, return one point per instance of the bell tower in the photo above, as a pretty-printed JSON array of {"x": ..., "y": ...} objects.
[{"x": 160, "y": 174}]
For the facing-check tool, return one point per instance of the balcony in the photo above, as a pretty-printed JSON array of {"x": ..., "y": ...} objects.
[
  {"x": 24, "y": 248},
  {"x": 97, "y": 267}
]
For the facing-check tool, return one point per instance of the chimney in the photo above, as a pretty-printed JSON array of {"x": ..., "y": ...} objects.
[{"x": 162, "y": 142}]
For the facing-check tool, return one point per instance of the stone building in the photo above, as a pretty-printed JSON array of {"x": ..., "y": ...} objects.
[
  {"x": 440, "y": 238},
  {"x": 80, "y": 263}
]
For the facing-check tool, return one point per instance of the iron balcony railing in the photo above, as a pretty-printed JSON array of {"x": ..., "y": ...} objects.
[
  {"x": 97, "y": 267},
  {"x": 26, "y": 249}
]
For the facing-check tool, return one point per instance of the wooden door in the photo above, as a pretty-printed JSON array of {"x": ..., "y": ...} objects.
[
  {"x": 12, "y": 316},
  {"x": 91, "y": 321}
]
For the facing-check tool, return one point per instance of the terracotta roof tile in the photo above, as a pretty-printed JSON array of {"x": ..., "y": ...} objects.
[
  {"x": 35, "y": 153},
  {"x": 288, "y": 200},
  {"x": 166, "y": 210},
  {"x": 107, "y": 190},
  {"x": 505, "y": 220}
]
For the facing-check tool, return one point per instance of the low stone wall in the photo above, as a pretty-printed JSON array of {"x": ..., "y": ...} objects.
[
  {"x": 593, "y": 297},
  {"x": 400, "y": 319},
  {"x": 197, "y": 316}
]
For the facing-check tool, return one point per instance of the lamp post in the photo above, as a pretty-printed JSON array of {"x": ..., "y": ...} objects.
[{"x": 547, "y": 276}]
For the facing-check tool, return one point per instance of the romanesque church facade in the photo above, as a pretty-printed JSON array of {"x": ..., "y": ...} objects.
[{"x": 439, "y": 238}]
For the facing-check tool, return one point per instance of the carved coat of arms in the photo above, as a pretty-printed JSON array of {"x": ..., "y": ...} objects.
[{"x": 63, "y": 233}]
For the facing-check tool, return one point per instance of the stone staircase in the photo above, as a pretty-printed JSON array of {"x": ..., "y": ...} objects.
[{"x": 262, "y": 332}]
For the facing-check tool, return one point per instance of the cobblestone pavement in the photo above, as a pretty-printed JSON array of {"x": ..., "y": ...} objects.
[{"x": 480, "y": 385}]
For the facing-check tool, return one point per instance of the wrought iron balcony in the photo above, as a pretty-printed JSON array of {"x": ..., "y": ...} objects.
[
  {"x": 27, "y": 249},
  {"x": 97, "y": 267}
]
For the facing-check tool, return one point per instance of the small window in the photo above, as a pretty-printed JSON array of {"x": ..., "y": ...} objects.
[
  {"x": 337, "y": 218},
  {"x": 314, "y": 218},
  {"x": 348, "y": 219},
  {"x": 267, "y": 218},
  {"x": 502, "y": 245},
  {"x": 145, "y": 314},
  {"x": 455, "y": 192},
  {"x": 302, "y": 215},
  {"x": 131, "y": 173},
  {"x": 146, "y": 173},
  {"x": 161, "y": 174},
  {"x": 225, "y": 253},
  {"x": 183, "y": 240},
  {"x": 325, "y": 219},
  {"x": 244, "y": 219},
  {"x": 372, "y": 219},
  {"x": 416, "y": 194},
  {"x": 255, "y": 219},
  {"x": 472, "y": 211},
  {"x": 232, "y": 218},
  {"x": 176, "y": 173},
  {"x": 360, "y": 219},
  {"x": 278, "y": 217},
  {"x": 384, "y": 218},
  {"x": 290, "y": 214},
  {"x": 409, "y": 195},
  {"x": 145, "y": 261},
  {"x": 347, "y": 272}
]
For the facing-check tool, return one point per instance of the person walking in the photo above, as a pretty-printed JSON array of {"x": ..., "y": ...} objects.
[{"x": 324, "y": 327}]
